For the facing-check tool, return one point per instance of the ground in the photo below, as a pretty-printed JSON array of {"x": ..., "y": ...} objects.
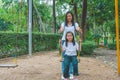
[
  {"x": 46, "y": 66},
  {"x": 107, "y": 56}
]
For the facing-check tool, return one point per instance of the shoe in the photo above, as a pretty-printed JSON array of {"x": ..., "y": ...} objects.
[
  {"x": 62, "y": 77},
  {"x": 71, "y": 76}
]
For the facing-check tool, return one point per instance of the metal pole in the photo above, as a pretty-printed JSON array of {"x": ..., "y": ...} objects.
[
  {"x": 117, "y": 35},
  {"x": 30, "y": 27}
]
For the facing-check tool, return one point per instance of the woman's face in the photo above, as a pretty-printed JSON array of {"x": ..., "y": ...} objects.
[
  {"x": 69, "y": 17},
  {"x": 69, "y": 37}
]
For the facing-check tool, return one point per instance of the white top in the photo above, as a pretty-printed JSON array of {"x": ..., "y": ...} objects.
[
  {"x": 69, "y": 28},
  {"x": 71, "y": 50}
]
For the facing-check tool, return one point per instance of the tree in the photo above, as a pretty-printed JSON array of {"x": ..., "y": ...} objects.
[
  {"x": 100, "y": 16},
  {"x": 54, "y": 17},
  {"x": 83, "y": 21},
  {"x": 75, "y": 10}
]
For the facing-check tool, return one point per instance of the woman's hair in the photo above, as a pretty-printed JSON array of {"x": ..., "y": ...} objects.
[
  {"x": 66, "y": 40},
  {"x": 66, "y": 21}
]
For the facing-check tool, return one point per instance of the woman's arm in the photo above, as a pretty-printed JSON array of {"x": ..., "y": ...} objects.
[
  {"x": 61, "y": 28},
  {"x": 79, "y": 29}
]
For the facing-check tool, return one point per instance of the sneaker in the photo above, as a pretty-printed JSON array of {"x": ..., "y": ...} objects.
[
  {"x": 62, "y": 77},
  {"x": 71, "y": 76}
]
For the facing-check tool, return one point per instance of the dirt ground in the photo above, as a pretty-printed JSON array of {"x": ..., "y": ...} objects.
[
  {"x": 107, "y": 56},
  {"x": 46, "y": 66}
]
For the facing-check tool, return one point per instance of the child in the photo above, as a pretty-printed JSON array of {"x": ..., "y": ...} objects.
[{"x": 70, "y": 48}]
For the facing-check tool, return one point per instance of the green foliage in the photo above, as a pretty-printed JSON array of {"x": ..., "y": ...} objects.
[
  {"x": 4, "y": 25},
  {"x": 15, "y": 13},
  {"x": 45, "y": 41},
  {"x": 45, "y": 11},
  {"x": 88, "y": 47},
  {"x": 11, "y": 43},
  {"x": 112, "y": 46},
  {"x": 101, "y": 17}
]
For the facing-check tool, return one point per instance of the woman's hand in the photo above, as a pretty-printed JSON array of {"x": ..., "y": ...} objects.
[
  {"x": 60, "y": 41},
  {"x": 79, "y": 30}
]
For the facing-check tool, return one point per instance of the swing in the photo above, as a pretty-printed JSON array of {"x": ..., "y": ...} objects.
[
  {"x": 80, "y": 45},
  {"x": 14, "y": 64},
  {"x": 8, "y": 65}
]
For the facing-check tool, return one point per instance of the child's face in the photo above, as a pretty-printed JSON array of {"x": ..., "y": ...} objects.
[
  {"x": 69, "y": 17},
  {"x": 69, "y": 37}
]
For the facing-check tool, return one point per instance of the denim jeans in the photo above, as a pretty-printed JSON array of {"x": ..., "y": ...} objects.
[
  {"x": 71, "y": 66},
  {"x": 67, "y": 61}
]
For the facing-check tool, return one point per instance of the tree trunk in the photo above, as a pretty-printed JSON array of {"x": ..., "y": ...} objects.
[
  {"x": 54, "y": 17},
  {"x": 40, "y": 20},
  {"x": 75, "y": 12},
  {"x": 83, "y": 21}
]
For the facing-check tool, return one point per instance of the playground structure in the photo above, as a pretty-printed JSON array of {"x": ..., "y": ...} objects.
[{"x": 117, "y": 35}]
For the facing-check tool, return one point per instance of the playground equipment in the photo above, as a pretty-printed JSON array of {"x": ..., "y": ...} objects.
[
  {"x": 60, "y": 50},
  {"x": 117, "y": 35},
  {"x": 10, "y": 65},
  {"x": 14, "y": 64},
  {"x": 80, "y": 47}
]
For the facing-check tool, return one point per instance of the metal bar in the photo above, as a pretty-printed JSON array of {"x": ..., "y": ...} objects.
[
  {"x": 117, "y": 35},
  {"x": 30, "y": 27},
  {"x": 8, "y": 65}
]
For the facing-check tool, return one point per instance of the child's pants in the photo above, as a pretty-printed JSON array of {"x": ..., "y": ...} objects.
[
  {"x": 67, "y": 61},
  {"x": 70, "y": 70},
  {"x": 71, "y": 66}
]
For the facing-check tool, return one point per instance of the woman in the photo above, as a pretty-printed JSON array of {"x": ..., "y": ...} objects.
[{"x": 68, "y": 25}]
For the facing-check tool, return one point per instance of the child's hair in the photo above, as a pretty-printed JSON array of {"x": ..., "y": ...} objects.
[
  {"x": 73, "y": 41},
  {"x": 66, "y": 21}
]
